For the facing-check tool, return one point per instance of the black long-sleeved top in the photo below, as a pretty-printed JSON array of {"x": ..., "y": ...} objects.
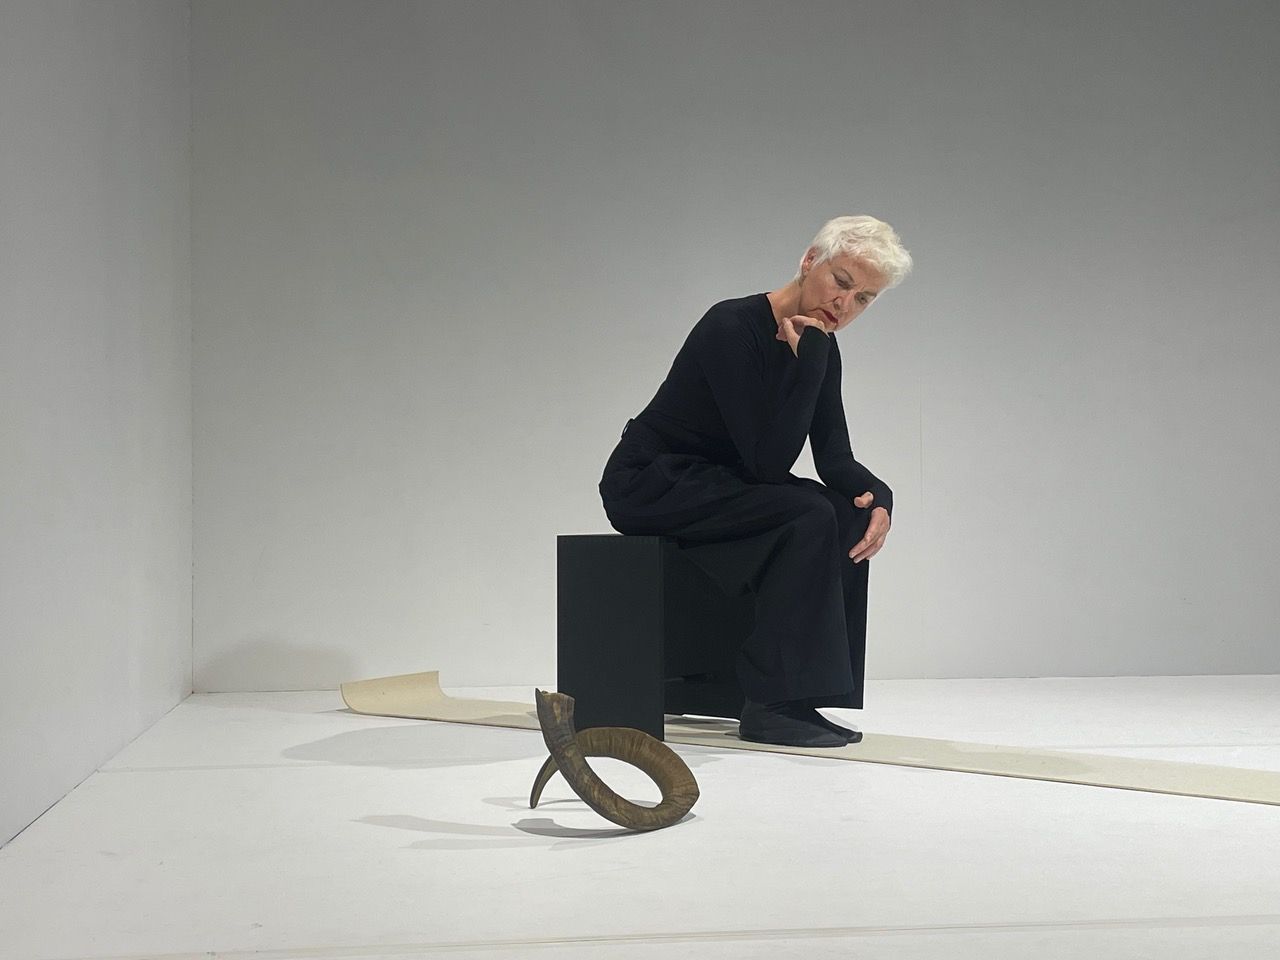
[{"x": 739, "y": 396}]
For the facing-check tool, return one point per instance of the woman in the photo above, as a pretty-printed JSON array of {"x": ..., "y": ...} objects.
[{"x": 708, "y": 462}]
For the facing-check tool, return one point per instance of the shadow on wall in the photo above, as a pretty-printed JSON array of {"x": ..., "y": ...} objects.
[{"x": 261, "y": 664}]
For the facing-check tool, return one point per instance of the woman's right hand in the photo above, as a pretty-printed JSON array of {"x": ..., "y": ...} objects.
[{"x": 790, "y": 329}]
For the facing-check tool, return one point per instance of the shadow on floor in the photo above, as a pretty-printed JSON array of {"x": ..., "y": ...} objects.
[{"x": 418, "y": 746}]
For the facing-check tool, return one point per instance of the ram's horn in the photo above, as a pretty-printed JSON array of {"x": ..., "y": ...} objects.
[
  {"x": 570, "y": 749},
  {"x": 594, "y": 742}
]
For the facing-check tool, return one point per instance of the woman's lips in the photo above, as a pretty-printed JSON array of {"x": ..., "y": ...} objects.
[{"x": 830, "y": 317}]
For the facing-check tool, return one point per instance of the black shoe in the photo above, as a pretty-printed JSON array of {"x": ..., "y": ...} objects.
[
  {"x": 851, "y": 735},
  {"x": 785, "y": 725}
]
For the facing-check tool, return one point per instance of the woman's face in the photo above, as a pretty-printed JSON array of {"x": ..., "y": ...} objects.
[{"x": 837, "y": 290}]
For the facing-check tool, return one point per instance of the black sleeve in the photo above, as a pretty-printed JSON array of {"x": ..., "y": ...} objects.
[
  {"x": 829, "y": 437},
  {"x": 768, "y": 429}
]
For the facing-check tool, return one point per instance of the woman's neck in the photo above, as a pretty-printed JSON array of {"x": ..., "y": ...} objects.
[{"x": 785, "y": 301}]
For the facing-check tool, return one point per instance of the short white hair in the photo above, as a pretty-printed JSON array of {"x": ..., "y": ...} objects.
[{"x": 867, "y": 239}]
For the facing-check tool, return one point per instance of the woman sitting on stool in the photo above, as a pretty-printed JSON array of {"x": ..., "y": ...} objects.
[{"x": 708, "y": 462}]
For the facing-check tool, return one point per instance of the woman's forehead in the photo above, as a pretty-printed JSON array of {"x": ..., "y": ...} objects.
[{"x": 858, "y": 268}]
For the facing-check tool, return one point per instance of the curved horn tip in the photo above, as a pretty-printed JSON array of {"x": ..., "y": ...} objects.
[{"x": 541, "y": 780}]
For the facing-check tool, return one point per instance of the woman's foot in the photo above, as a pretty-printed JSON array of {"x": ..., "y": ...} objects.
[
  {"x": 850, "y": 734},
  {"x": 788, "y": 725}
]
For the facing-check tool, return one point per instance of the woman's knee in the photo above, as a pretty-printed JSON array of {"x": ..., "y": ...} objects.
[
  {"x": 815, "y": 513},
  {"x": 850, "y": 520}
]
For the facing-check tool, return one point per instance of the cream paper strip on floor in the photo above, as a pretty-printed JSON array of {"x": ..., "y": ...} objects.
[{"x": 418, "y": 696}]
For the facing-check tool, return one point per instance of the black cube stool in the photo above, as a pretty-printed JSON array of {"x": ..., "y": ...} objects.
[{"x": 642, "y": 632}]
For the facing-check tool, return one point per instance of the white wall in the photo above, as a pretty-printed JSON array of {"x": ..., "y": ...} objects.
[
  {"x": 444, "y": 250},
  {"x": 95, "y": 387}
]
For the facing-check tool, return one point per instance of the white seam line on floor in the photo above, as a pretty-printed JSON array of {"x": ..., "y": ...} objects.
[
  {"x": 246, "y": 766},
  {"x": 799, "y": 933}
]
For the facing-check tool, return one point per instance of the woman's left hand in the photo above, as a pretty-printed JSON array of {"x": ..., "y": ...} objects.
[{"x": 877, "y": 530}]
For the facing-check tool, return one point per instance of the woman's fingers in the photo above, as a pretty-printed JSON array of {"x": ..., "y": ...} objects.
[
  {"x": 803, "y": 320},
  {"x": 865, "y": 550},
  {"x": 791, "y": 329},
  {"x": 875, "y": 548},
  {"x": 872, "y": 540}
]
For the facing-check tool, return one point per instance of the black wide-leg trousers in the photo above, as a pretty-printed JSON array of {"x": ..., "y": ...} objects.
[{"x": 788, "y": 543}]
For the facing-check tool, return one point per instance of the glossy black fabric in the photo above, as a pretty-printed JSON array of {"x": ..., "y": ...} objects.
[{"x": 708, "y": 462}]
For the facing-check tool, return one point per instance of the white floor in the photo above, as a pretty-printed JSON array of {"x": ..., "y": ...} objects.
[{"x": 283, "y": 826}]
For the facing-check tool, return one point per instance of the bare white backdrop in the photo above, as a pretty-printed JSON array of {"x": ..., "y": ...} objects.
[
  {"x": 442, "y": 251},
  {"x": 95, "y": 387}
]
